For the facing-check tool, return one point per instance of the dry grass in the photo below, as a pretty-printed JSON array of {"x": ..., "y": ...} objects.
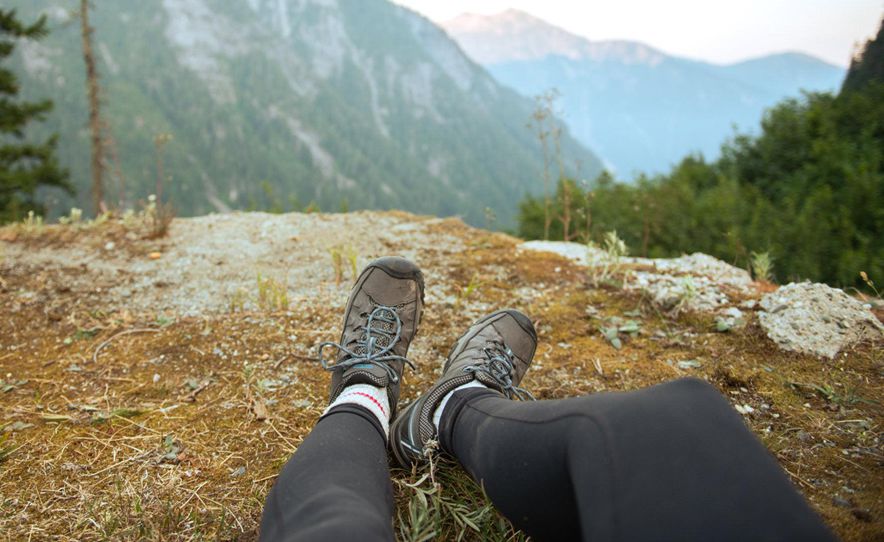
[{"x": 177, "y": 433}]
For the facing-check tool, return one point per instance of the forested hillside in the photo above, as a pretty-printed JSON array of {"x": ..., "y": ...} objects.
[
  {"x": 273, "y": 105},
  {"x": 808, "y": 191}
]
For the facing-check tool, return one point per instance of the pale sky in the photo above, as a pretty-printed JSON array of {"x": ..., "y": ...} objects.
[{"x": 713, "y": 30}]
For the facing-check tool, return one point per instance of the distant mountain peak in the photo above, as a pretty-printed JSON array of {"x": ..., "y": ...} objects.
[
  {"x": 514, "y": 35},
  {"x": 640, "y": 108}
]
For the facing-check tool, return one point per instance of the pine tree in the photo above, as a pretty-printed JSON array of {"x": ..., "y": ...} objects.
[
  {"x": 24, "y": 166},
  {"x": 868, "y": 66}
]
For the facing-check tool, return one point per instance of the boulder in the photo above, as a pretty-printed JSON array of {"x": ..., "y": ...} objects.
[{"x": 816, "y": 319}]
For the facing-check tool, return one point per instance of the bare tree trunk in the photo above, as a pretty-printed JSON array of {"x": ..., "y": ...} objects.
[
  {"x": 566, "y": 189},
  {"x": 159, "y": 143},
  {"x": 566, "y": 211},
  {"x": 111, "y": 145},
  {"x": 94, "y": 111},
  {"x": 547, "y": 216}
]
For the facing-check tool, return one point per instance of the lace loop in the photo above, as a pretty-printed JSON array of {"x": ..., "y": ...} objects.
[
  {"x": 498, "y": 364},
  {"x": 373, "y": 347}
]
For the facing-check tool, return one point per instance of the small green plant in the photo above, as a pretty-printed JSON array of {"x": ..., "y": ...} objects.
[
  {"x": 337, "y": 257},
  {"x": 100, "y": 220},
  {"x": 6, "y": 450},
  {"x": 236, "y": 301},
  {"x": 762, "y": 266},
  {"x": 272, "y": 295},
  {"x": 72, "y": 219},
  {"x": 870, "y": 283},
  {"x": 157, "y": 217},
  {"x": 616, "y": 328},
  {"x": 341, "y": 254},
  {"x": 444, "y": 503},
  {"x": 353, "y": 258},
  {"x": 490, "y": 218},
  {"x": 686, "y": 294},
  {"x": 613, "y": 250},
  {"x": 848, "y": 397},
  {"x": 464, "y": 293},
  {"x": 32, "y": 223}
]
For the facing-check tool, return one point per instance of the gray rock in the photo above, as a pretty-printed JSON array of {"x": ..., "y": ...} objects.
[
  {"x": 816, "y": 319},
  {"x": 729, "y": 318},
  {"x": 696, "y": 282}
]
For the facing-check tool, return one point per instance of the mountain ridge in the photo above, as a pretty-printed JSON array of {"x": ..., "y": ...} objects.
[
  {"x": 641, "y": 109},
  {"x": 276, "y": 104},
  {"x": 511, "y": 21}
]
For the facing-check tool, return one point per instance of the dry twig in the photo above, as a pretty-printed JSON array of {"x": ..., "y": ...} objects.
[{"x": 126, "y": 332}]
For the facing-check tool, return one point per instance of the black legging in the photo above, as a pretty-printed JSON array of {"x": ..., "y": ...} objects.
[
  {"x": 671, "y": 462},
  {"x": 336, "y": 487}
]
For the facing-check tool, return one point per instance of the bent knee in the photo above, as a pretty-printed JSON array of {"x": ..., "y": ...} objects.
[{"x": 693, "y": 386}]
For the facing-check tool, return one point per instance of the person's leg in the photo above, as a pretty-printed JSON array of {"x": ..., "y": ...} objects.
[
  {"x": 671, "y": 462},
  {"x": 337, "y": 484}
]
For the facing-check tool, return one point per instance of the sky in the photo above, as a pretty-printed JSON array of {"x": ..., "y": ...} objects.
[{"x": 713, "y": 30}]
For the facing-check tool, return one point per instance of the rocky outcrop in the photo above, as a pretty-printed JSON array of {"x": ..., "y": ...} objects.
[
  {"x": 805, "y": 317},
  {"x": 697, "y": 282},
  {"x": 816, "y": 319}
]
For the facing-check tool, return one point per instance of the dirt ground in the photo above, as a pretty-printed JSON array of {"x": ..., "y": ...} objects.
[{"x": 152, "y": 389}]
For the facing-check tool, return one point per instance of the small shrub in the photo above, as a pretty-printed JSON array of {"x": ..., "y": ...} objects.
[
  {"x": 337, "y": 257},
  {"x": 613, "y": 250},
  {"x": 687, "y": 294},
  {"x": 870, "y": 283},
  {"x": 464, "y": 293},
  {"x": 33, "y": 223},
  {"x": 157, "y": 216},
  {"x": 72, "y": 219},
  {"x": 352, "y": 257},
  {"x": 762, "y": 266},
  {"x": 272, "y": 295},
  {"x": 238, "y": 299}
]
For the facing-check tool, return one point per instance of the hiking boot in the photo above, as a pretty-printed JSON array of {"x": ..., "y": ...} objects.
[
  {"x": 495, "y": 351},
  {"x": 381, "y": 319}
]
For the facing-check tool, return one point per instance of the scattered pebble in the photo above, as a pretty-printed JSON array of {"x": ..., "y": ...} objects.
[
  {"x": 689, "y": 364},
  {"x": 744, "y": 409}
]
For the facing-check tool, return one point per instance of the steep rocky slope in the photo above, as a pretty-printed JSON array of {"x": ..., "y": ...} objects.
[
  {"x": 277, "y": 103},
  {"x": 152, "y": 388}
]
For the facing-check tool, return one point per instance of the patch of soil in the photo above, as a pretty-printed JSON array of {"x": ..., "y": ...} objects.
[{"x": 146, "y": 399}]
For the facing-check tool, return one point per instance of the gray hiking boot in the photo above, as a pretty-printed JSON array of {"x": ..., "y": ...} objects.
[
  {"x": 495, "y": 351},
  {"x": 381, "y": 319}
]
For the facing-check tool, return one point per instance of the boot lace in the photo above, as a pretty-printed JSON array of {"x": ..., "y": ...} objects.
[
  {"x": 497, "y": 363},
  {"x": 380, "y": 333}
]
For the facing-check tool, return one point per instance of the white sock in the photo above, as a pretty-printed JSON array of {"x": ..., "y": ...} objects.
[
  {"x": 437, "y": 416},
  {"x": 372, "y": 398}
]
